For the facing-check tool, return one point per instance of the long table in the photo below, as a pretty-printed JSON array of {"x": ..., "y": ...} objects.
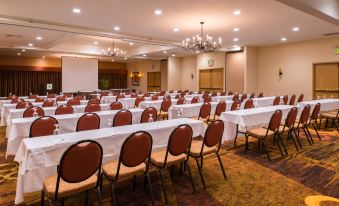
[
  {"x": 325, "y": 104},
  {"x": 38, "y": 157}
]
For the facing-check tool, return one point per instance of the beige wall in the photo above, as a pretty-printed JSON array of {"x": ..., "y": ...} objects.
[
  {"x": 174, "y": 73},
  {"x": 235, "y": 66},
  {"x": 189, "y": 68},
  {"x": 251, "y": 69},
  {"x": 296, "y": 61},
  {"x": 164, "y": 75}
]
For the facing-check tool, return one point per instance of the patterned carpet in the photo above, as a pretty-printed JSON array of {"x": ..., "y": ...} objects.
[{"x": 252, "y": 179}]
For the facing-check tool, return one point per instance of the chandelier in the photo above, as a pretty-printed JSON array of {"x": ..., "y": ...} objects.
[
  {"x": 115, "y": 52},
  {"x": 200, "y": 44}
]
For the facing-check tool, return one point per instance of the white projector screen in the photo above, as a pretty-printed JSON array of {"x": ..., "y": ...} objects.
[{"x": 79, "y": 74}]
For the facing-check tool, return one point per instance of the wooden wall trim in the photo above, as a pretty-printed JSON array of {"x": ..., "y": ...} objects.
[{"x": 52, "y": 69}]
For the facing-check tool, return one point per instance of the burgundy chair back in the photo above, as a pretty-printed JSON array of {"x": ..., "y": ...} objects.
[
  {"x": 134, "y": 95},
  {"x": 249, "y": 104},
  {"x": 155, "y": 97},
  {"x": 285, "y": 99},
  {"x": 60, "y": 99},
  {"x": 146, "y": 114},
  {"x": 195, "y": 100},
  {"x": 88, "y": 121},
  {"x": 140, "y": 92},
  {"x": 261, "y": 94},
  {"x": 275, "y": 121},
  {"x": 116, "y": 106},
  {"x": 191, "y": 92},
  {"x": 221, "y": 107},
  {"x": 138, "y": 100},
  {"x": 205, "y": 95},
  {"x": 181, "y": 100},
  {"x": 64, "y": 109},
  {"x": 39, "y": 99},
  {"x": 93, "y": 108},
  {"x": 15, "y": 101},
  {"x": 235, "y": 105},
  {"x": 73, "y": 102},
  {"x": 291, "y": 117},
  {"x": 43, "y": 126},
  {"x": 162, "y": 93},
  {"x": 301, "y": 98},
  {"x": 214, "y": 94},
  {"x": 167, "y": 96},
  {"x": 276, "y": 101},
  {"x": 252, "y": 95},
  {"x": 235, "y": 97},
  {"x": 51, "y": 95},
  {"x": 205, "y": 110},
  {"x": 94, "y": 101},
  {"x": 305, "y": 114},
  {"x": 79, "y": 97},
  {"x": 214, "y": 133},
  {"x": 120, "y": 96},
  {"x": 123, "y": 117},
  {"x": 200, "y": 92},
  {"x": 292, "y": 100},
  {"x": 180, "y": 140},
  {"x": 230, "y": 93},
  {"x": 171, "y": 91},
  {"x": 33, "y": 96},
  {"x": 315, "y": 112},
  {"x": 128, "y": 93},
  {"x": 22, "y": 105},
  {"x": 147, "y": 94},
  {"x": 207, "y": 99},
  {"x": 165, "y": 105},
  {"x": 29, "y": 112},
  {"x": 177, "y": 96},
  {"x": 48, "y": 103},
  {"x": 179, "y": 91},
  {"x": 243, "y": 97},
  {"x": 223, "y": 94}
]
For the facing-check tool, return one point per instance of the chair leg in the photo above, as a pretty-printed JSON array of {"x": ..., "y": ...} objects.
[
  {"x": 315, "y": 128},
  {"x": 282, "y": 142},
  {"x": 246, "y": 143},
  {"x": 190, "y": 175},
  {"x": 181, "y": 167},
  {"x": 134, "y": 183},
  {"x": 162, "y": 185},
  {"x": 290, "y": 135},
  {"x": 260, "y": 143},
  {"x": 308, "y": 139},
  {"x": 99, "y": 196},
  {"x": 50, "y": 202},
  {"x": 222, "y": 167},
  {"x": 86, "y": 197},
  {"x": 172, "y": 172},
  {"x": 201, "y": 162},
  {"x": 275, "y": 137},
  {"x": 113, "y": 194},
  {"x": 297, "y": 137},
  {"x": 308, "y": 131},
  {"x": 62, "y": 201},
  {"x": 150, "y": 187},
  {"x": 236, "y": 136},
  {"x": 200, "y": 173},
  {"x": 264, "y": 148},
  {"x": 42, "y": 203}
]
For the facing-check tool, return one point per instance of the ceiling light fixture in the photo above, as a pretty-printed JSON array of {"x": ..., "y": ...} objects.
[
  {"x": 30, "y": 44},
  {"x": 236, "y": 12},
  {"x": 158, "y": 12},
  {"x": 176, "y": 29},
  {"x": 116, "y": 28},
  {"x": 125, "y": 58},
  {"x": 200, "y": 44},
  {"x": 76, "y": 10},
  {"x": 236, "y": 29},
  {"x": 112, "y": 60},
  {"x": 144, "y": 55},
  {"x": 23, "y": 50},
  {"x": 131, "y": 43},
  {"x": 43, "y": 57},
  {"x": 295, "y": 29},
  {"x": 115, "y": 52},
  {"x": 235, "y": 39},
  {"x": 173, "y": 55},
  {"x": 38, "y": 38},
  {"x": 18, "y": 53},
  {"x": 283, "y": 39},
  {"x": 96, "y": 43},
  {"x": 164, "y": 52}
]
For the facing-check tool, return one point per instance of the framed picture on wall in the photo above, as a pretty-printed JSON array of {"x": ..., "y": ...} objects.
[{"x": 135, "y": 78}]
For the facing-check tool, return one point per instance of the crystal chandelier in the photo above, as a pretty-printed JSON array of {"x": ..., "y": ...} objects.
[
  {"x": 115, "y": 52},
  {"x": 200, "y": 44}
]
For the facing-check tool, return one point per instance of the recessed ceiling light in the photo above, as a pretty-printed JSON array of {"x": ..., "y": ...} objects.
[
  {"x": 96, "y": 43},
  {"x": 76, "y": 10},
  {"x": 116, "y": 28},
  {"x": 112, "y": 60},
  {"x": 30, "y": 44},
  {"x": 131, "y": 43},
  {"x": 164, "y": 52},
  {"x": 235, "y": 39},
  {"x": 236, "y": 29},
  {"x": 43, "y": 57},
  {"x": 158, "y": 12},
  {"x": 176, "y": 29},
  {"x": 18, "y": 53},
  {"x": 23, "y": 50},
  {"x": 144, "y": 55},
  {"x": 283, "y": 39},
  {"x": 38, "y": 38},
  {"x": 236, "y": 12},
  {"x": 173, "y": 55},
  {"x": 295, "y": 29},
  {"x": 125, "y": 58}
]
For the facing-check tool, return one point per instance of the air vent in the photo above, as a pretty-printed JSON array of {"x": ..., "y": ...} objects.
[
  {"x": 13, "y": 36},
  {"x": 331, "y": 34}
]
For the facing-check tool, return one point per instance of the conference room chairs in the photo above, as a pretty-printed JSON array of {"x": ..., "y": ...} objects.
[
  {"x": 235, "y": 97},
  {"x": 78, "y": 97},
  {"x": 133, "y": 160},
  {"x": 149, "y": 115},
  {"x": 205, "y": 95},
  {"x": 93, "y": 101},
  {"x": 205, "y": 112},
  {"x": 207, "y": 98},
  {"x": 60, "y": 99},
  {"x": 140, "y": 92},
  {"x": 64, "y": 109},
  {"x": 261, "y": 94},
  {"x": 221, "y": 107},
  {"x": 288, "y": 126},
  {"x": 301, "y": 98},
  {"x": 29, "y": 112},
  {"x": 191, "y": 93},
  {"x": 165, "y": 105},
  {"x": 263, "y": 133},
  {"x": 229, "y": 93},
  {"x": 276, "y": 101},
  {"x": 147, "y": 94},
  {"x": 32, "y": 96},
  {"x": 167, "y": 96},
  {"x": 134, "y": 95},
  {"x": 314, "y": 120},
  {"x": 15, "y": 101},
  {"x": 249, "y": 104},
  {"x": 179, "y": 91},
  {"x": 195, "y": 100},
  {"x": 51, "y": 95},
  {"x": 292, "y": 100},
  {"x": 103, "y": 94},
  {"x": 181, "y": 100},
  {"x": 200, "y": 92},
  {"x": 235, "y": 105},
  {"x": 252, "y": 95},
  {"x": 88, "y": 121},
  {"x": 162, "y": 93},
  {"x": 23, "y": 104},
  {"x": 243, "y": 97},
  {"x": 214, "y": 94},
  {"x": 182, "y": 94},
  {"x": 128, "y": 93},
  {"x": 177, "y": 96},
  {"x": 123, "y": 117},
  {"x": 49, "y": 103},
  {"x": 73, "y": 102},
  {"x": 171, "y": 91},
  {"x": 210, "y": 144},
  {"x": 333, "y": 116},
  {"x": 179, "y": 144},
  {"x": 93, "y": 108},
  {"x": 79, "y": 170},
  {"x": 302, "y": 124},
  {"x": 39, "y": 99},
  {"x": 285, "y": 99},
  {"x": 155, "y": 97},
  {"x": 138, "y": 100},
  {"x": 222, "y": 93},
  {"x": 43, "y": 126},
  {"x": 116, "y": 106},
  {"x": 120, "y": 96}
]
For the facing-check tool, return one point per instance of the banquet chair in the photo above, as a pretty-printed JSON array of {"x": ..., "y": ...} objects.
[
  {"x": 133, "y": 160},
  {"x": 116, "y": 106},
  {"x": 134, "y": 95},
  {"x": 128, "y": 93},
  {"x": 181, "y": 100},
  {"x": 93, "y": 108},
  {"x": 147, "y": 94},
  {"x": 301, "y": 98},
  {"x": 276, "y": 101},
  {"x": 147, "y": 114},
  {"x": 210, "y": 144},
  {"x": 176, "y": 153},
  {"x": 167, "y": 96},
  {"x": 235, "y": 105},
  {"x": 138, "y": 100},
  {"x": 140, "y": 92},
  {"x": 30, "y": 111},
  {"x": 78, "y": 97},
  {"x": 285, "y": 99},
  {"x": 177, "y": 96},
  {"x": 93, "y": 101},
  {"x": 51, "y": 95},
  {"x": 205, "y": 95},
  {"x": 64, "y": 109},
  {"x": 262, "y": 133},
  {"x": 243, "y": 97},
  {"x": 301, "y": 124},
  {"x": 39, "y": 99},
  {"x": 49, "y": 103},
  {"x": 288, "y": 127},
  {"x": 195, "y": 100},
  {"x": 205, "y": 112},
  {"x": 261, "y": 94},
  {"x": 221, "y": 107},
  {"x": 214, "y": 94},
  {"x": 249, "y": 104},
  {"x": 182, "y": 94},
  {"x": 179, "y": 91},
  {"x": 162, "y": 93},
  {"x": 235, "y": 97},
  {"x": 199, "y": 92},
  {"x": 191, "y": 93},
  {"x": 165, "y": 105},
  {"x": 79, "y": 170},
  {"x": 120, "y": 96},
  {"x": 230, "y": 93},
  {"x": 15, "y": 101},
  {"x": 208, "y": 98},
  {"x": 252, "y": 95},
  {"x": 32, "y": 96},
  {"x": 122, "y": 117},
  {"x": 60, "y": 99},
  {"x": 43, "y": 126},
  {"x": 292, "y": 100},
  {"x": 333, "y": 116},
  {"x": 314, "y": 120},
  {"x": 73, "y": 102},
  {"x": 88, "y": 121},
  {"x": 155, "y": 97}
]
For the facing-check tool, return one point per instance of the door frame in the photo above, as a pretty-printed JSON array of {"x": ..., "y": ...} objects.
[{"x": 313, "y": 74}]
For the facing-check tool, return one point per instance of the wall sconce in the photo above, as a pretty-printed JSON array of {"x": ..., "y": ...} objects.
[
  {"x": 192, "y": 76},
  {"x": 135, "y": 76},
  {"x": 280, "y": 73}
]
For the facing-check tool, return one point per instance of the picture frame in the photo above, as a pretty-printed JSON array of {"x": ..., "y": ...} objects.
[{"x": 135, "y": 76}]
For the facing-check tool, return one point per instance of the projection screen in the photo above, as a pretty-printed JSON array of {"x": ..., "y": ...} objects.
[{"x": 79, "y": 74}]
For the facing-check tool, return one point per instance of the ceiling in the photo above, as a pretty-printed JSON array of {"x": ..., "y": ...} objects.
[{"x": 261, "y": 23}]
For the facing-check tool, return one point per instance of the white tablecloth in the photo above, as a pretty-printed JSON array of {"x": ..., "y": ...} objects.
[
  {"x": 249, "y": 119},
  {"x": 263, "y": 101},
  {"x": 19, "y": 128},
  {"x": 325, "y": 104},
  {"x": 108, "y": 99},
  {"x": 38, "y": 157},
  {"x": 156, "y": 103},
  {"x": 191, "y": 110},
  {"x": 127, "y": 102}
]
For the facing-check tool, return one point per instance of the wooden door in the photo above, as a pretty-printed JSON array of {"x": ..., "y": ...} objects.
[
  {"x": 326, "y": 80},
  {"x": 211, "y": 80},
  {"x": 153, "y": 81}
]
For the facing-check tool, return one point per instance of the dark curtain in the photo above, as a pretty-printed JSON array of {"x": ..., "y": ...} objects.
[
  {"x": 112, "y": 80},
  {"x": 23, "y": 82}
]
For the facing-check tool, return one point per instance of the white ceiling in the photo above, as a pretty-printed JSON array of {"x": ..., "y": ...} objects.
[{"x": 261, "y": 23}]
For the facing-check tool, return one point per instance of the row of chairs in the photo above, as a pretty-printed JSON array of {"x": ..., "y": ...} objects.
[{"x": 135, "y": 158}]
